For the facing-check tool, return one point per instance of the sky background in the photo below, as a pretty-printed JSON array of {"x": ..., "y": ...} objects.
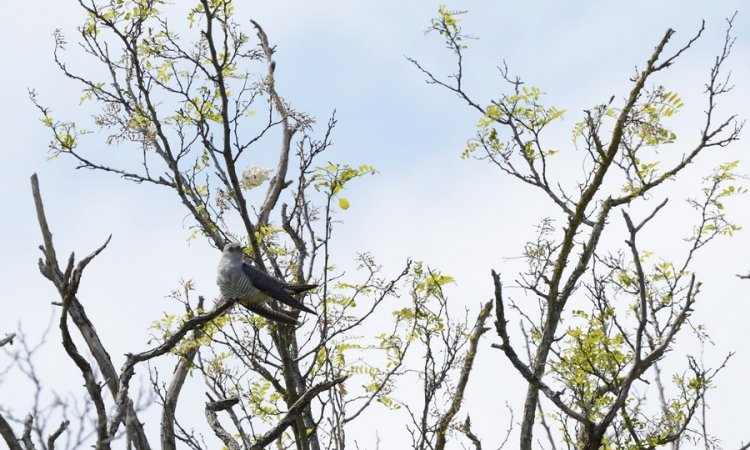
[{"x": 463, "y": 217}]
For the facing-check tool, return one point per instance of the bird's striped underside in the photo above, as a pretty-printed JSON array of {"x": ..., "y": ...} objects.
[{"x": 242, "y": 290}]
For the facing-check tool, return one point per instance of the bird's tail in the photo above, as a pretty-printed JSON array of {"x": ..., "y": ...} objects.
[
  {"x": 300, "y": 288},
  {"x": 271, "y": 314}
]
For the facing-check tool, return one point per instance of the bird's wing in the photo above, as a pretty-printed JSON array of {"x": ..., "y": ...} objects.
[
  {"x": 270, "y": 314},
  {"x": 272, "y": 287}
]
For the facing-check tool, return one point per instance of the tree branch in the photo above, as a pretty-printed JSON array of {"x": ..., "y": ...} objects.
[
  {"x": 221, "y": 433},
  {"x": 501, "y": 325},
  {"x": 458, "y": 395},
  {"x": 63, "y": 282},
  {"x": 8, "y": 339},
  {"x": 56, "y": 434},
  {"x": 8, "y": 436},
  {"x": 294, "y": 411},
  {"x": 26, "y": 436}
]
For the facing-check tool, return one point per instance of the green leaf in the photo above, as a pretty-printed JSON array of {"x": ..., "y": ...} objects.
[{"x": 343, "y": 203}]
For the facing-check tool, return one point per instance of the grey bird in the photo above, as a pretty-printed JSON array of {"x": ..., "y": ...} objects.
[{"x": 253, "y": 288}]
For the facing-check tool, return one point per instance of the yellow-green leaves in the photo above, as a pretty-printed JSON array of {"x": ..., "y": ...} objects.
[
  {"x": 262, "y": 400},
  {"x": 625, "y": 279},
  {"x": 90, "y": 26},
  {"x": 447, "y": 18},
  {"x": 116, "y": 11},
  {"x": 718, "y": 186},
  {"x": 272, "y": 239},
  {"x": 447, "y": 23},
  {"x": 221, "y": 10},
  {"x": 65, "y": 135},
  {"x": 643, "y": 127},
  {"x": 525, "y": 104},
  {"x": 527, "y": 116},
  {"x": 333, "y": 177},
  {"x": 198, "y": 109},
  {"x": 593, "y": 352},
  {"x": 430, "y": 283},
  {"x": 89, "y": 92},
  {"x": 164, "y": 71},
  {"x": 169, "y": 323},
  {"x": 668, "y": 103},
  {"x": 427, "y": 289},
  {"x": 645, "y": 122}
]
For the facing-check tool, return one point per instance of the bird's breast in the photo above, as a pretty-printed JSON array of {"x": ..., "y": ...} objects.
[{"x": 235, "y": 285}]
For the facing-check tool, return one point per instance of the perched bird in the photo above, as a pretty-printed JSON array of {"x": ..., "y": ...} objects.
[{"x": 252, "y": 288}]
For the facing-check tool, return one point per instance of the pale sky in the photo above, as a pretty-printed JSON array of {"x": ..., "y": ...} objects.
[{"x": 462, "y": 217}]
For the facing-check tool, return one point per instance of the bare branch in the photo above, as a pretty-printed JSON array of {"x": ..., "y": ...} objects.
[
  {"x": 279, "y": 180},
  {"x": 173, "y": 392},
  {"x": 458, "y": 394},
  {"x": 466, "y": 429},
  {"x": 56, "y": 434},
  {"x": 26, "y": 437},
  {"x": 92, "y": 387},
  {"x": 8, "y": 436},
  {"x": 66, "y": 284},
  {"x": 8, "y": 339},
  {"x": 221, "y": 433}
]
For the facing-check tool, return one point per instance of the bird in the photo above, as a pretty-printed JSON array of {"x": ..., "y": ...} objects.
[{"x": 253, "y": 288}]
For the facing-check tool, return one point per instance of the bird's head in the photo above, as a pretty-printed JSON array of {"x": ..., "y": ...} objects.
[{"x": 233, "y": 250}]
